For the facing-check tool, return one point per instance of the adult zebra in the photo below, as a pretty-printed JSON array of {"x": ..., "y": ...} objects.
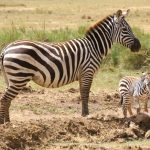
[
  {"x": 54, "y": 65},
  {"x": 132, "y": 89}
]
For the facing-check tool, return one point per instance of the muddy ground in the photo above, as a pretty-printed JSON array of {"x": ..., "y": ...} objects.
[{"x": 50, "y": 119}]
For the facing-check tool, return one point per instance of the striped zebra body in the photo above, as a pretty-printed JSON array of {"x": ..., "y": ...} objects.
[
  {"x": 52, "y": 65},
  {"x": 55, "y": 65},
  {"x": 132, "y": 89}
]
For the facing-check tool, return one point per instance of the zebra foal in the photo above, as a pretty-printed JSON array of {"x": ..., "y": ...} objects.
[
  {"x": 55, "y": 65},
  {"x": 132, "y": 89}
]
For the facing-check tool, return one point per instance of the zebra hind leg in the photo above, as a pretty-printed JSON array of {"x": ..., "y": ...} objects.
[
  {"x": 125, "y": 105},
  {"x": 136, "y": 104},
  {"x": 145, "y": 105},
  {"x": 124, "y": 109},
  {"x": 130, "y": 109},
  {"x": 10, "y": 93}
]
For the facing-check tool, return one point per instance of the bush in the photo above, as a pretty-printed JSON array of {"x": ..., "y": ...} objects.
[
  {"x": 134, "y": 61},
  {"x": 115, "y": 55}
]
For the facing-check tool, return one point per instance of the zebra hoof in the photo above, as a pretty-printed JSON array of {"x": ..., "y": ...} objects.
[{"x": 85, "y": 114}]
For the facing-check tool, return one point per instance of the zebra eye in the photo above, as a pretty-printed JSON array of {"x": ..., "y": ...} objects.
[{"x": 124, "y": 29}]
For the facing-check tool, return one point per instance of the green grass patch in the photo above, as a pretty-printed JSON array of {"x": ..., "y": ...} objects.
[
  {"x": 20, "y": 33},
  {"x": 119, "y": 61}
]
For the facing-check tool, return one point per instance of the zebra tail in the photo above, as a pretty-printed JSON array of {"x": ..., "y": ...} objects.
[
  {"x": 2, "y": 68},
  {"x": 121, "y": 101}
]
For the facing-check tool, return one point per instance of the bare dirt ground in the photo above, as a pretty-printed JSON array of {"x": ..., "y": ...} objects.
[{"x": 48, "y": 119}]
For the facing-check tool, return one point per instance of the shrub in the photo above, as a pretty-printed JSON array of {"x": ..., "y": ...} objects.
[{"x": 134, "y": 61}]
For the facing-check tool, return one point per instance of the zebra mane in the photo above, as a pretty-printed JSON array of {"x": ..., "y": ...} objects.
[{"x": 91, "y": 28}]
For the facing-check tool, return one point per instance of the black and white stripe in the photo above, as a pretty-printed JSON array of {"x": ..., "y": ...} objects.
[
  {"x": 132, "y": 89},
  {"x": 55, "y": 65}
]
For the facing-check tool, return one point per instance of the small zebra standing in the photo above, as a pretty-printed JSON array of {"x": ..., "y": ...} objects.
[
  {"x": 55, "y": 65},
  {"x": 133, "y": 89}
]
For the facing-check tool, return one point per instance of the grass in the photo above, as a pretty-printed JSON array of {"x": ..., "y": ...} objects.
[
  {"x": 61, "y": 21},
  {"x": 119, "y": 62},
  {"x": 68, "y": 14},
  {"x": 14, "y": 33}
]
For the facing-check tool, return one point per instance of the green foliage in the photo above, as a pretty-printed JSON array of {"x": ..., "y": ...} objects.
[
  {"x": 115, "y": 54},
  {"x": 137, "y": 60},
  {"x": 122, "y": 57},
  {"x": 119, "y": 56},
  {"x": 134, "y": 61},
  {"x": 9, "y": 35},
  {"x": 143, "y": 37}
]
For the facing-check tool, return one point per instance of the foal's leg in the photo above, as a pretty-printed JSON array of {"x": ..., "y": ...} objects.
[
  {"x": 130, "y": 110},
  {"x": 145, "y": 105}
]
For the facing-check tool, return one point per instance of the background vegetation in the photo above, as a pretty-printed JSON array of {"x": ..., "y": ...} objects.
[
  {"x": 50, "y": 22},
  {"x": 119, "y": 61},
  {"x": 61, "y": 20}
]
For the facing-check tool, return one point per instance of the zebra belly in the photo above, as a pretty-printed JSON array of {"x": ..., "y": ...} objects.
[
  {"x": 56, "y": 82},
  {"x": 38, "y": 79}
]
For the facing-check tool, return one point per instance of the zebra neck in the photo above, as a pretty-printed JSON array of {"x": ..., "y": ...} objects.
[{"x": 101, "y": 35}]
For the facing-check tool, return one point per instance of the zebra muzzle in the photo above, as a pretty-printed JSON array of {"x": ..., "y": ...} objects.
[{"x": 136, "y": 45}]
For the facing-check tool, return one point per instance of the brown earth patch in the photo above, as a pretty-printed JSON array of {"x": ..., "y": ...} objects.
[{"x": 48, "y": 119}]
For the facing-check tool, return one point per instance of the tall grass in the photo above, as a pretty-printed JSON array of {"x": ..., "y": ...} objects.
[
  {"x": 118, "y": 56},
  {"x": 20, "y": 33},
  {"x": 119, "y": 61},
  {"x": 122, "y": 57}
]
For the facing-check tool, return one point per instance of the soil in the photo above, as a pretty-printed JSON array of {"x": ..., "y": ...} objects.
[{"x": 51, "y": 119}]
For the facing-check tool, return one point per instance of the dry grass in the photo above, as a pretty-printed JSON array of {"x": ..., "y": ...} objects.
[
  {"x": 65, "y": 13},
  {"x": 56, "y": 14}
]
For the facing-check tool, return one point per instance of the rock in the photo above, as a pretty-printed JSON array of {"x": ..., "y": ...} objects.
[
  {"x": 120, "y": 140},
  {"x": 143, "y": 117},
  {"x": 147, "y": 134},
  {"x": 143, "y": 120},
  {"x": 136, "y": 131},
  {"x": 133, "y": 125}
]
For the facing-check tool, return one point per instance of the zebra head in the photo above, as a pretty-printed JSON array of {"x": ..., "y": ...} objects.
[{"x": 123, "y": 33}]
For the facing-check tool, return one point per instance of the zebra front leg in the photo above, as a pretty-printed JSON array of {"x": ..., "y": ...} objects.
[
  {"x": 9, "y": 94},
  {"x": 85, "y": 85}
]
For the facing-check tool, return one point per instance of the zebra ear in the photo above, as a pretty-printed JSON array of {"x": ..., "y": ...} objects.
[
  {"x": 125, "y": 13},
  {"x": 117, "y": 15}
]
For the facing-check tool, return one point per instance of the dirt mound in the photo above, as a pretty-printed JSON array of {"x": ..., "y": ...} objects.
[
  {"x": 48, "y": 119},
  {"x": 37, "y": 134}
]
